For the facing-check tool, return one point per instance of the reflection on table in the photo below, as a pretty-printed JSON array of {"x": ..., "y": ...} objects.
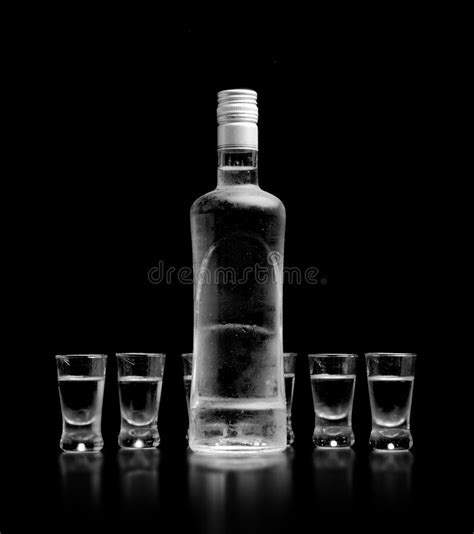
[
  {"x": 391, "y": 480},
  {"x": 274, "y": 493},
  {"x": 138, "y": 482},
  {"x": 81, "y": 484},
  {"x": 251, "y": 494},
  {"x": 333, "y": 479}
]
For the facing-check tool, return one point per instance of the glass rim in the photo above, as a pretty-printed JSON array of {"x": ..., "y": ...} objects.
[
  {"x": 393, "y": 354},
  {"x": 140, "y": 354},
  {"x": 332, "y": 355},
  {"x": 287, "y": 354},
  {"x": 187, "y": 354},
  {"x": 61, "y": 356}
]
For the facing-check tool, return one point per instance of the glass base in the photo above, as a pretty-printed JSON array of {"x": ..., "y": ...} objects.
[
  {"x": 81, "y": 441},
  {"x": 391, "y": 440},
  {"x": 333, "y": 437},
  {"x": 236, "y": 451},
  {"x": 139, "y": 439},
  {"x": 290, "y": 437},
  {"x": 234, "y": 447}
]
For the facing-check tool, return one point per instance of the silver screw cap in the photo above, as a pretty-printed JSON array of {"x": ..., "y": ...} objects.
[{"x": 237, "y": 105}]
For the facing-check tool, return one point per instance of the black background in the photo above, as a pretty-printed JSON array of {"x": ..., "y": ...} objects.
[{"x": 120, "y": 121}]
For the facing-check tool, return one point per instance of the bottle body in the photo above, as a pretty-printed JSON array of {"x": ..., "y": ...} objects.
[{"x": 237, "y": 396}]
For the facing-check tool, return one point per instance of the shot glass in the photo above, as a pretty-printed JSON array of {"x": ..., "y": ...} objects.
[
  {"x": 187, "y": 375},
  {"x": 140, "y": 377},
  {"x": 81, "y": 379},
  {"x": 391, "y": 377},
  {"x": 333, "y": 382},
  {"x": 289, "y": 360}
]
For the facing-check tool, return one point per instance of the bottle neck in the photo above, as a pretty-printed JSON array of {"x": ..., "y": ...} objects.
[{"x": 237, "y": 167}]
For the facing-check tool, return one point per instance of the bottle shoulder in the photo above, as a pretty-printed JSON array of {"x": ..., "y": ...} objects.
[{"x": 238, "y": 197}]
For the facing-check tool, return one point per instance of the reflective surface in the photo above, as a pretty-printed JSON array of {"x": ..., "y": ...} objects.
[
  {"x": 391, "y": 476},
  {"x": 81, "y": 476},
  {"x": 235, "y": 494},
  {"x": 323, "y": 490},
  {"x": 334, "y": 479},
  {"x": 138, "y": 483}
]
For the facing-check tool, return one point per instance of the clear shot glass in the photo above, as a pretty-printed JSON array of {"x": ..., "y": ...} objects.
[
  {"x": 333, "y": 381},
  {"x": 391, "y": 377},
  {"x": 289, "y": 360},
  {"x": 81, "y": 379},
  {"x": 187, "y": 375},
  {"x": 140, "y": 378}
]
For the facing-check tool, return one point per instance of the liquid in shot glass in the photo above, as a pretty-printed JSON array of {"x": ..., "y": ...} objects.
[
  {"x": 140, "y": 379},
  {"x": 333, "y": 382},
  {"x": 81, "y": 379},
  {"x": 390, "y": 377}
]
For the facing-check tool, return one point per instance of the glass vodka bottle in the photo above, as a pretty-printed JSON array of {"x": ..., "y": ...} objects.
[{"x": 237, "y": 400}]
